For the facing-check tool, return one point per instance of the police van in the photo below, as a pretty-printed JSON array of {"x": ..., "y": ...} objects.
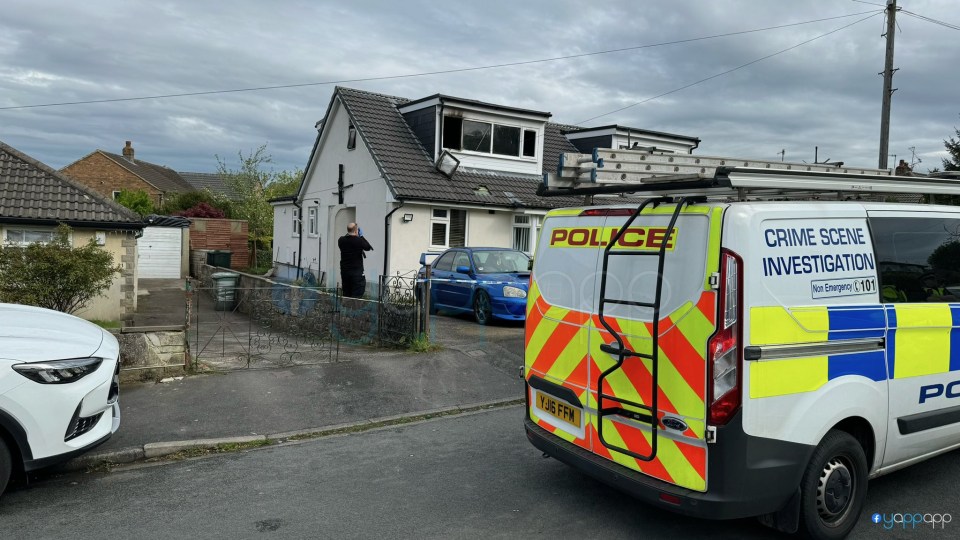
[{"x": 743, "y": 338}]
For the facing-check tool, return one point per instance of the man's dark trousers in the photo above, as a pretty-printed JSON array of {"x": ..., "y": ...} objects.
[{"x": 354, "y": 284}]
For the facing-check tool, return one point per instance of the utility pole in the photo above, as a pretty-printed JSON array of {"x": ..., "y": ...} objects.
[{"x": 888, "y": 89}]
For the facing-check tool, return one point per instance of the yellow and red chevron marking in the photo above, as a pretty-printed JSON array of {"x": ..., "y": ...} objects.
[
  {"x": 682, "y": 359},
  {"x": 563, "y": 346},
  {"x": 677, "y": 462},
  {"x": 556, "y": 343}
]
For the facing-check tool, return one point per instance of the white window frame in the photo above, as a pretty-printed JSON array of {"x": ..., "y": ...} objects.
[
  {"x": 296, "y": 222},
  {"x": 116, "y": 194},
  {"x": 532, "y": 226},
  {"x": 523, "y": 129},
  {"x": 45, "y": 230},
  {"x": 445, "y": 220},
  {"x": 312, "y": 223}
]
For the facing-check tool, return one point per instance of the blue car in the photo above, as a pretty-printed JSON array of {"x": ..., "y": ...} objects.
[{"x": 491, "y": 283}]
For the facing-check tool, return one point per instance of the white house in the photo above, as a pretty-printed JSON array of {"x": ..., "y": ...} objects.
[{"x": 426, "y": 175}]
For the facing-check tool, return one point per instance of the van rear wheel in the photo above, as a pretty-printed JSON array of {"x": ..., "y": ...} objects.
[
  {"x": 833, "y": 488},
  {"x": 5, "y": 465}
]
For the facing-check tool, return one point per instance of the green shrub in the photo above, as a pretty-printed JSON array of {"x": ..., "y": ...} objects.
[{"x": 55, "y": 275}]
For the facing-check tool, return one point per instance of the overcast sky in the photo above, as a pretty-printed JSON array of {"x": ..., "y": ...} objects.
[{"x": 826, "y": 93}]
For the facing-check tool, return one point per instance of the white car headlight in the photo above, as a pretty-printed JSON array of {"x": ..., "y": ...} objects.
[
  {"x": 58, "y": 371},
  {"x": 514, "y": 292}
]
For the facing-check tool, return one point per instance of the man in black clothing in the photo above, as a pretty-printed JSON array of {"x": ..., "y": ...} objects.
[{"x": 352, "y": 246}]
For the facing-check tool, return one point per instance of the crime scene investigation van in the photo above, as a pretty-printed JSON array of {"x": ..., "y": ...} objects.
[{"x": 723, "y": 355}]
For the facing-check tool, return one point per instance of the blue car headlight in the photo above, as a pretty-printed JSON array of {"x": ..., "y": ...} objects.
[{"x": 514, "y": 292}]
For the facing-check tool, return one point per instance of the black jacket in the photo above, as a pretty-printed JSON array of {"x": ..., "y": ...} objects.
[{"x": 351, "y": 253}]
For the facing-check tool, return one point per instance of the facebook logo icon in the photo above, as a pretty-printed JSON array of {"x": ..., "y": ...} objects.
[{"x": 875, "y": 518}]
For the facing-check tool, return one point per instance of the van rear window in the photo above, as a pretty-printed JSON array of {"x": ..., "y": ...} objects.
[{"x": 569, "y": 263}]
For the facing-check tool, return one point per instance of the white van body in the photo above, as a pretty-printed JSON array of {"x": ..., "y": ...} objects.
[
  {"x": 59, "y": 388},
  {"x": 802, "y": 347}
]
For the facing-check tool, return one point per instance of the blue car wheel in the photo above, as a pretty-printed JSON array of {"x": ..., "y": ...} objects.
[{"x": 482, "y": 310}]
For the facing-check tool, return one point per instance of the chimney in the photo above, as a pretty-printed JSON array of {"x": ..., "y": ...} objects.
[{"x": 128, "y": 151}]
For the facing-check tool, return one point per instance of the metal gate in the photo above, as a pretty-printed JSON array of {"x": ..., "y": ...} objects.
[{"x": 265, "y": 327}]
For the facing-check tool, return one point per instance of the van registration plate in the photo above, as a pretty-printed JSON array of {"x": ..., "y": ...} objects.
[{"x": 558, "y": 409}]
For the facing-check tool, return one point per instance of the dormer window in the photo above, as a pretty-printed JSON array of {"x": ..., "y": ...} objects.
[{"x": 488, "y": 137}]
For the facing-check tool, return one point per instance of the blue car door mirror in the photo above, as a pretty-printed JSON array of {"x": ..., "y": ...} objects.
[{"x": 463, "y": 269}]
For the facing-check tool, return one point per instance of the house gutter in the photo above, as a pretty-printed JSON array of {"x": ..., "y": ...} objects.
[
  {"x": 386, "y": 237},
  {"x": 111, "y": 225},
  {"x": 299, "y": 206}
]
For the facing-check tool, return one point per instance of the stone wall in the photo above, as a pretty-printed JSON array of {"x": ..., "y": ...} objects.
[
  {"x": 151, "y": 353},
  {"x": 291, "y": 308}
]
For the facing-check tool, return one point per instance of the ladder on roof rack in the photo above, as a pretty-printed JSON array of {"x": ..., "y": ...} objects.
[
  {"x": 621, "y": 349},
  {"x": 644, "y": 172}
]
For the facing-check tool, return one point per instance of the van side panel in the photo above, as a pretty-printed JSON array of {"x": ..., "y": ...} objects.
[
  {"x": 920, "y": 260},
  {"x": 812, "y": 306}
]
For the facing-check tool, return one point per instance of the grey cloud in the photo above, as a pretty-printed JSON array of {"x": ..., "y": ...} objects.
[{"x": 826, "y": 93}]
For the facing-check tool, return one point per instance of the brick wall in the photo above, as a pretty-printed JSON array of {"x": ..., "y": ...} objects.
[
  {"x": 222, "y": 234},
  {"x": 104, "y": 176}
]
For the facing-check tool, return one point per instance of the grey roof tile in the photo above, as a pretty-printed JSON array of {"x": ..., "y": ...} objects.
[
  {"x": 163, "y": 178},
  {"x": 30, "y": 190},
  {"x": 212, "y": 181}
]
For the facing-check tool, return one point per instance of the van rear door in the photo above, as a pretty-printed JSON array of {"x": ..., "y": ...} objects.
[{"x": 565, "y": 297}]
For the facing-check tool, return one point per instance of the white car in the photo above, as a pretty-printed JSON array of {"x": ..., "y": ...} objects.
[{"x": 59, "y": 385}]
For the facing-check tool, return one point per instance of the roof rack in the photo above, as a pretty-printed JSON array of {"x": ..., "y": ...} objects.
[{"x": 646, "y": 172}]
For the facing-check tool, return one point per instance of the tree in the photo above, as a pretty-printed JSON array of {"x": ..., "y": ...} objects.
[
  {"x": 284, "y": 183},
  {"x": 138, "y": 201},
  {"x": 181, "y": 202},
  {"x": 254, "y": 187},
  {"x": 55, "y": 275},
  {"x": 953, "y": 148},
  {"x": 202, "y": 210}
]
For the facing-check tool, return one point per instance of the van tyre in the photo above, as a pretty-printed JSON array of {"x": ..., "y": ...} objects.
[
  {"x": 482, "y": 310},
  {"x": 833, "y": 487},
  {"x": 5, "y": 465}
]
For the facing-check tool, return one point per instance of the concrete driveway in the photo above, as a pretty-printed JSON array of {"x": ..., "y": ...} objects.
[{"x": 500, "y": 343}]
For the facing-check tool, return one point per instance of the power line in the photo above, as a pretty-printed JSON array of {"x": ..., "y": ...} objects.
[
  {"x": 684, "y": 87},
  {"x": 928, "y": 19},
  {"x": 427, "y": 73}
]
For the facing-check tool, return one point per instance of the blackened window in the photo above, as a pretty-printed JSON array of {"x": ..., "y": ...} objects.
[
  {"x": 506, "y": 140},
  {"x": 529, "y": 143},
  {"x": 476, "y": 136},
  {"x": 351, "y": 137},
  {"x": 452, "y": 128},
  {"x": 918, "y": 258}
]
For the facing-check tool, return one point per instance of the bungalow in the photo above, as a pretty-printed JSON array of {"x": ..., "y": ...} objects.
[
  {"x": 109, "y": 174},
  {"x": 429, "y": 174},
  {"x": 35, "y": 199}
]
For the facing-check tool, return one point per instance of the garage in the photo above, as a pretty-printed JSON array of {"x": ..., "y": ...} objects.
[{"x": 158, "y": 252}]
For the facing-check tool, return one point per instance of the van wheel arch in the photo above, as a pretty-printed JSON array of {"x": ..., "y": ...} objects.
[
  {"x": 787, "y": 518},
  {"x": 861, "y": 430}
]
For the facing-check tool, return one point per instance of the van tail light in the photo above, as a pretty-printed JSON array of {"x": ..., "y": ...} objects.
[{"x": 724, "y": 350}]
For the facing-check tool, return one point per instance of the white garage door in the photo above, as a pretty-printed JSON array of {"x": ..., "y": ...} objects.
[{"x": 158, "y": 252}]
